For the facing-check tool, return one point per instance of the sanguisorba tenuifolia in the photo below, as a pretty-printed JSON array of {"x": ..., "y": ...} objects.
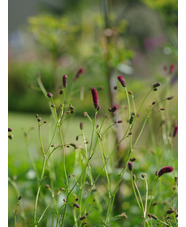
[{"x": 95, "y": 99}]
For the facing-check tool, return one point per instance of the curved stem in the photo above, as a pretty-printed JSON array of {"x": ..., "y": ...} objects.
[
  {"x": 38, "y": 191},
  {"x": 134, "y": 190},
  {"x": 146, "y": 197}
]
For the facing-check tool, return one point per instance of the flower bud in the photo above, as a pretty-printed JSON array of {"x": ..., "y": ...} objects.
[
  {"x": 120, "y": 121},
  {"x": 78, "y": 74},
  {"x": 82, "y": 218},
  {"x": 39, "y": 119},
  {"x": 132, "y": 159},
  {"x": 155, "y": 203},
  {"x": 131, "y": 119},
  {"x": 65, "y": 81},
  {"x": 10, "y": 137},
  {"x": 130, "y": 165},
  {"x": 113, "y": 109},
  {"x": 124, "y": 215},
  {"x": 152, "y": 216},
  {"x": 175, "y": 132},
  {"x": 84, "y": 114},
  {"x": 95, "y": 99},
  {"x": 122, "y": 81},
  {"x": 81, "y": 125},
  {"x": 170, "y": 98},
  {"x": 10, "y": 130},
  {"x": 76, "y": 205},
  {"x": 166, "y": 169},
  {"x": 49, "y": 94},
  {"x": 156, "y": 85},
  {"x": 20, "y": 197},
  {"x": 73, "y": 145},
  {"x": 170, "y": 211},
  {"x": 171, "y": 70}
]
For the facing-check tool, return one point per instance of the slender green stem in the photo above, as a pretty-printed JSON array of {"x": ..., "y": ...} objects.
[
  {"x": 88, "y": 158},
  {"x": 53, "y": 136},
  {"x": 128, "y": 102},
  {"x": 41, "y": 143},
  {"x": 139, "y": 194},
  {"x": 112, "y": 152},
  {"x": 31, "y": 159},
  {"x": 111, "y": 201},
  {"x": 52, "y": 152},
  {"x": 107, "y": 129},
  {"x": 65, "y": 172},
  {"x": 92, "y": 137},
  {"x": 142, "y": 128},
  {"x": 144, "y": 100},
  {"x": 105, "y": 167},
  {"x": 14, "y": 185},
  {"x": 86, "y": 153},
  {"x": 75, "y": 218},
  {"x": 153, "y": 188},
  {"x": 146, "y": 197},
  {"x": 134, "y": 190},
  {"x": 45, "y": 93},
  {"x": 134, "y": 105},
  {"x": 38, "y": 191},
  {"x": 39, "y": 220},
  {"x": 99, "y": 131}
]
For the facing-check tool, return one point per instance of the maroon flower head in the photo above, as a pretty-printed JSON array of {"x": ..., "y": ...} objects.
[
  {"x": 156, "y": 85},
  {"x": 113, "y": 109},
  {"x": 65, "y": 81},
  {"x": 166, "y": 169},
  {"x": 10, "y": 129},
  {"x": 130, "y": 165},
  {"x": 76, "y": 205},
  {"x": 81, "y": 125},
  {"x": 175, "y": 132},
  {"x": 122, "y": 81},
  {"x": 171, "y": 69},
  {"x": 79, "y": 72},
  {"x": 95, "y": 98},
  {"x": 49, "y": 94}
]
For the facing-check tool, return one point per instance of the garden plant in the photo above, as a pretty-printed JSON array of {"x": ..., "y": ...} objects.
[
  {"x": 78, "y": 186},
  {"x": 93, "y": 126}
]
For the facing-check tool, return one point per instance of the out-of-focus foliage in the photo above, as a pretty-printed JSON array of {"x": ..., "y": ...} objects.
[
  {"x": 169, "y": 9},
  {"x": 55, "y": 34},
  {"x": 67, "y": 38}
]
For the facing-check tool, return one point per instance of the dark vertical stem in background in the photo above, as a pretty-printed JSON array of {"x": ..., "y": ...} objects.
[
  {"x": 110, "y": 74},
  {"x": 112, "y": 95}
]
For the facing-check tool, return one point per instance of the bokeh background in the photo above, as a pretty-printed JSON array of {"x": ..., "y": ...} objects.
[
  {"x": 135, "y": 38},
  {"x": 57, "y": 37}
]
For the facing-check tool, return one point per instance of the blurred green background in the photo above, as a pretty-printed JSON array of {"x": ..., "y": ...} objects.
[
  {"x": 59, "y": 37},
  {"x": 134, "y": 38}
]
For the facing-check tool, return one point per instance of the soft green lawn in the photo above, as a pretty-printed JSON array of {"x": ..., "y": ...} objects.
[{"x": 21, "y": 122}]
